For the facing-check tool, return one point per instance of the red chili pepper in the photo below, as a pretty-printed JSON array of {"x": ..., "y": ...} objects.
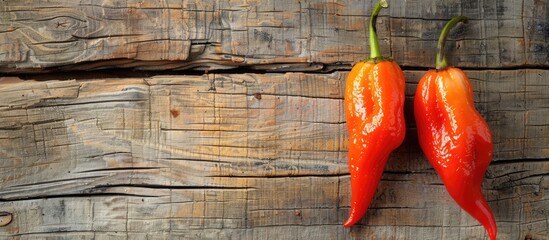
[
  {"x": 453, "y": 135},
  {"x": 374, "y": 106}
]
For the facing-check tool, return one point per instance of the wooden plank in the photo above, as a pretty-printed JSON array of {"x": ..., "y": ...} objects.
[
  {"x": 247, "y": 156},
  {"x": 263, "y": 35}
]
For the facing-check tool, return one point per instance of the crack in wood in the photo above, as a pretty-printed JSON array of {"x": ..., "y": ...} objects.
[
  {"x": 71, "y": 195},
  {"x": 52, "y": 181},
  {"x": 327, "y": 69},
  {"x": 158, "y": 186},
  {"x": 297, "y": 175}
]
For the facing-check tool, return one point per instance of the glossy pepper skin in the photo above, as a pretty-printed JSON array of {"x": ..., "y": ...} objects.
[
  {"x": 374, "y": 101},
  {"x": 454, "y": 137},
  {"x": 374, "y": 110}
]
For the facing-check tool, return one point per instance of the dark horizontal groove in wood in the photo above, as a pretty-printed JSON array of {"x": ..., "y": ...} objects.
[
  {"x": 51, "y": 74},
  {"x": 283, "y": 176},
  {"x": 542, "y": 175},
  {"x": 158, "y": 186},
  {"x": 97, "y": 191},
  {"x": 520, "y": 161},
  {"x": 54, "y": 181},
  {"x": 95, "y": 74},
  {"x": 79, "y": 103},
  {"x": 72, "y": 195},
  {"x": 63, "y": 231}
]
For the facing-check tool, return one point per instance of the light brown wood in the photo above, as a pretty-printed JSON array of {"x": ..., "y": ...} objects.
[
  {"x": 247, "y": 156},
  {"x": 263, "y": 35},
  {"x": 251, "y": 155}
]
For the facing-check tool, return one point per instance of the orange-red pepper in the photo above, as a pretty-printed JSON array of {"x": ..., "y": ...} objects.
[
  {"x": 453, "y": 135},
  {"x": 374, "y": 108}
]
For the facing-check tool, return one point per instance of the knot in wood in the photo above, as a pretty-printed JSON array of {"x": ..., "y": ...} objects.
[{"x": 5, "y": 218}]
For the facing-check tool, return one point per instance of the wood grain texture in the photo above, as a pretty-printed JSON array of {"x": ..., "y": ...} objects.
[
  {"x": 247, "y": 156},
  {"x": 264, "y": 35}
]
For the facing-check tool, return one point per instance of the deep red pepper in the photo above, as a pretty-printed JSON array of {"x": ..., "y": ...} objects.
[
  {"x": 453, "y": 135},
  {"x": 374, "y": 108}
]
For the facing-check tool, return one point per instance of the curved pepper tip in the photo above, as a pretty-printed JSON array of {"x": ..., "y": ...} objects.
[
  {"x": 492, "y": 229},
  {"x": 354, "y": 216},
  {"x": 492, "y": 234},
  {"x": 491, "y": 226},
  {"x": 350, "y": 221}
]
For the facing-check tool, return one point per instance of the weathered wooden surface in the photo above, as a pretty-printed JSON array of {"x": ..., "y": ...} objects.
[
  {"x": 247, "y": 156},
  {"x": 272, "y": 35},
  {"x": 252, "y": 156}
]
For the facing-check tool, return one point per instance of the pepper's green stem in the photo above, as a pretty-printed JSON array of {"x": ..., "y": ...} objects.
[
  {"x": 441, "y": 57},
  {"x": 374, "y": 45}
]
